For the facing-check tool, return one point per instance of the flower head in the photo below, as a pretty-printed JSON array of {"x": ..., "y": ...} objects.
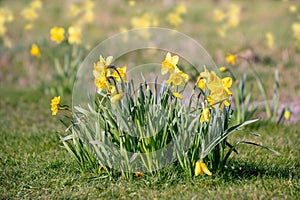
[
  {"x": 74, "y": 35},
  {"x": 177, "y": 95},
  {"x": 178, "y": 78},
  {"x": 201, "y": 168},
  {"x": 169, "y": 64},
  {"x": 269, "y": 39},
  {"x": 120, "y": 74},
  {"x": 205, "y": 116},
  {"x": 287, "y": 114},
  {"x": 231, "y": 58},
  {"x": 54, "y": 105},
  {"x": 57, "y": 34},
  {"x": 35, "y": 51},
  {"x": 223, "y": 69}
]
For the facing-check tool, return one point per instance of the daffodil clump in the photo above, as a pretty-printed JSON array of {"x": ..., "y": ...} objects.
[{"x": 133, "y": 131}]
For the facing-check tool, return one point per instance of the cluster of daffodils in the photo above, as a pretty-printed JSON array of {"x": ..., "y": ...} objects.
[
  {"x": 30, "y": 13},
  {"x": 6, "y": 16},
  {"x": 107, "y": 76},
  {"x": 57, "y": 34},
  {"x": 227, "y": 19},
  {"x": 175, "y": 17}
]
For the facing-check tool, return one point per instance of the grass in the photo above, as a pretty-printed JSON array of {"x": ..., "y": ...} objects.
[{"x": 33, "y": 165}]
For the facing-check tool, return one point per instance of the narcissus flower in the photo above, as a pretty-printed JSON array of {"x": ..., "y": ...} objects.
[
  {"x": 231, "y": 58},
  {"x": 139, "y": 174},
  {"x": 205, "y": 116},
  {"x": 223, "y": 69},
  {"x": 169, "y": 64},
  {"x": 287, "y": 114},
  {"x": 178, "y": 78},
  {"x": 35, "y": 51},
  {"x": 74, "y": 35},
  {"x": 57, "y": 34},
  {"x": 120, "y": 74},
  {"x": 54, "y": 105},
  {"x": 269, "y": 39},
  {"x": 177, "y": 95},
  {"x": 201, "y": 168},
  {"x": 174, "y": 19}
]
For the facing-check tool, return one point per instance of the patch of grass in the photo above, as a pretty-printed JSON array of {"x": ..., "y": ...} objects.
[{"x": 33, "y": 165}]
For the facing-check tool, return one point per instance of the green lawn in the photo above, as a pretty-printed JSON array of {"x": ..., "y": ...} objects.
[{"x": 33, "y": 165}]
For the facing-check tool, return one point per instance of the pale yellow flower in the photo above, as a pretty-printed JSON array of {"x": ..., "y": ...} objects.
[
  {"x": 139, "y": 174},
  {"x": 74, "y": 10},
  {"x": 177, "y": 95},
  {"x": 169, "y": 64},
  {"x": 269, "y": 39},
  {"x": 223, "y": 69},
  {"x": 205, "y": 115},
  {"x": 296, "y": 30},
  {"x": 292, "y": 8},
  {"x": 35, "y": 51},
  {"x": 29, "y": 14},
  {"x": 180, "y": 9},
  {"x": 131, "y": 3},
  {"x": 74, "y": 35},
  {"x": 219, "y": 15},
  {"x": 174, "y": 19},
  {"x": 233, "y": 21},
  {"x": 141, "y": 22},
  {"x": 2, "y": 30},
  {"x": 36, "y": 4},
  {"x": 178, "y": 78},
  {"x": 201, "y": 168},
  {"x": 116, "y": 97},
  {"x": 57, "y": 34}
]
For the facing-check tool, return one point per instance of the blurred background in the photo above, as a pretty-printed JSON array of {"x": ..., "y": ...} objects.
[{"x": 267, "y": 33}]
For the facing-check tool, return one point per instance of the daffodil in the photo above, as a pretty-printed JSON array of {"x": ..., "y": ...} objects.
[
  {"x": 120, "y": 74},
  {"x": 174, "y": 19},
  {"x": 178, "y": 78},
  {"x": 219, "y": 15},
  {"x": 177, "y": 95},
  {"x": 269, "y": 39},
  {"x": 35, "y": 51},
  {"x": 287, "y": 114},
  {"x": 57, "y": 34},
  {"x": 231, "y": 58},
  {"x": 180, "y": 9},
  {"x": 223, "y": 69},
  {"x": 296, "y": 30},
  {"x": 292, "y": 9},
  {"x": 169, "y": 64},
  {"x": 139, "y": 174},
  {"x": 201, "y": 168},
  {"x": 74, "y": 33},
  {"x": 54, "y": 105},
  {"x": 205, "y": 116},
  {"x": 203, "y": 78}
]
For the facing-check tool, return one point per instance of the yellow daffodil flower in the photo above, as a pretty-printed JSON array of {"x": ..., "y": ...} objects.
[
  {"x": 57, "y": 34},
  {"x": 203, "y": 78},
  {"x": 292, "y": 9},
  {"x": 37, "y": 4},
  {"x": 177, "y": 95},
  {"x": 74, "y": 35},
  {"x": 74, "y": 10},
  {"x": 101, "y": 82},
  {"x": 205, "y": 116},
  {"x": 287, "y": 114},
  {"x": 54, "y": 105},
  {"x": 174, "y": 19},
  {"x": 219, "y": 15},
  {"x": 223, "y": 69},
  {"x": 120, "y": 74},
  {"x": 139, "y": 174},
  {"x": 269, "y": 39},
  {"x": 201, "y": 168},
  {"x": 116, "y": 97},
  {"x": 231, "y": 58},
  {"x": 296, "y": 30},
  {"x": 35, "y": 51},
  {"x": 178, "y": 78},
  {"x": 169, "y": 64},
  {"x": 131, "y": 3}
]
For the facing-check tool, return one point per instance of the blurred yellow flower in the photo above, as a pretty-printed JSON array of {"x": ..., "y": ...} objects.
[
  {"x": 233, "y": 21},
  {"x": 231, "y": 58},
  {"x": 57, "y": 34},
  {"x": 287, "y": 114},
  {"x": 205, "y": 116},
  {"x": 116, "y": 97},
  {"x": 54, "y": 104},
  {"x": 35, "y": 51},
  {"x": 141, "y": 22},
  {"x": 6, "y": 15},
  {"x": 36, "y": 4},
  {"x": 74, "y": 10},
  {"x": 296, "y": 30},
  {"x": 203, "y": 78},
  {"x": 169, "y": 64},
  {"x": 101, "y": 72},
  {"x": 180, "y": 9},
  {"x": 174, "y": 19},
  {"x": 139, "y": 174},
  {"x": 178, "y": 78},
  {"x": 7, "y": 42},
  {"x": 131, "y": 3},
  {"x": 28, "y": 26},
  {"x": 177, "y": 95},
  {"x": 219, "y": 15},
  {"x": 223, "y": 69},
  {"x": 234, "y": 10},
  {"x": 29, "y": 14},
  {"x": 120, "y": 74},
  {"x": 269, "y": 39},
  {"x": 201, "y": 168},
  {"x": 74, "y": 35},
  {"x": 2, "y": 30},
  {"x": 292, "y": 9}
]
